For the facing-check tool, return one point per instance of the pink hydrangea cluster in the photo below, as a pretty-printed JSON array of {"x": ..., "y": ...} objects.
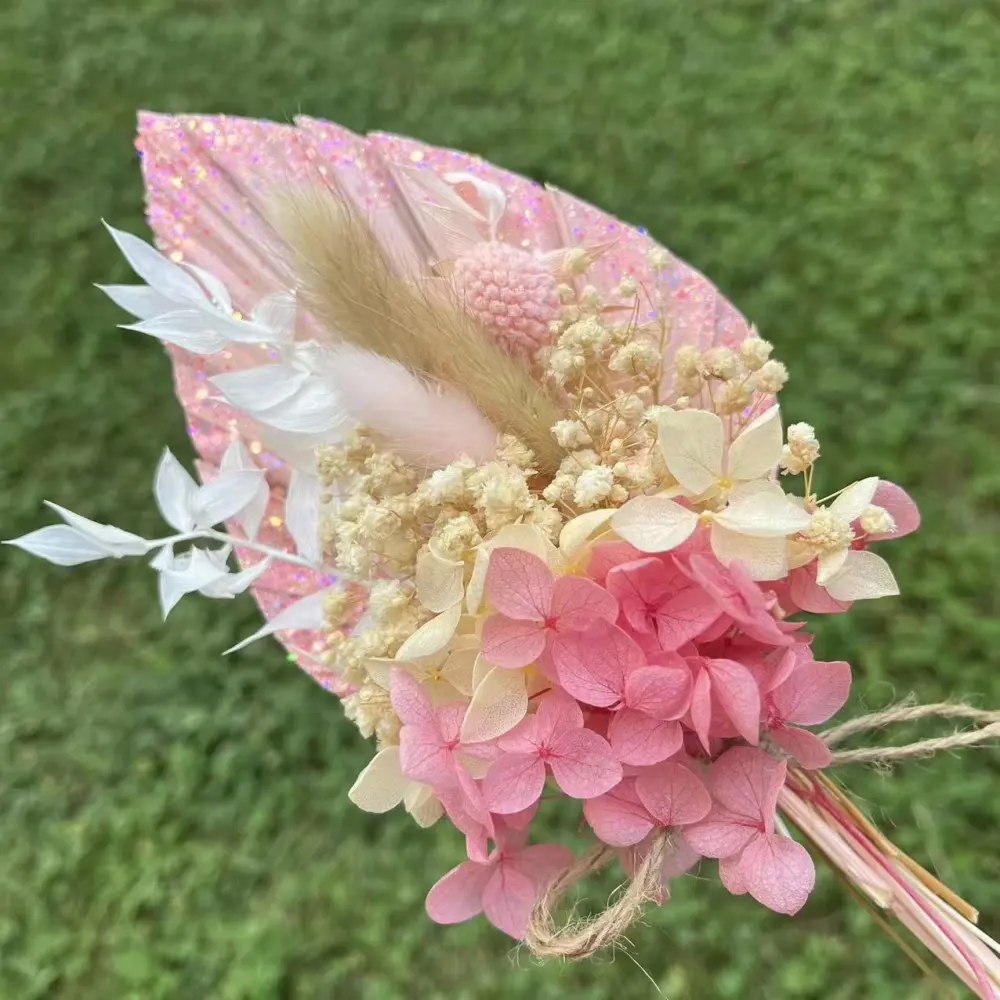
[{"x": 677, "y": 693}]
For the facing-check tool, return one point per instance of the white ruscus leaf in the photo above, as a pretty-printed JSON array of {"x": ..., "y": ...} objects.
[
  {"x": 224, "y": 497},
  {"x": 175, "y": 491},
  {"x": 237, "y": 458},
  {"x": 114, "y": 541},
  {"x": 302, "y": 509},
  {"x": 60, "y": 544},
  {"x": 304, "y": 614}
]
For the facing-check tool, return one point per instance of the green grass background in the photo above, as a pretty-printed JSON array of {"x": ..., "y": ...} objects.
[{"x": 174, "y": 824}]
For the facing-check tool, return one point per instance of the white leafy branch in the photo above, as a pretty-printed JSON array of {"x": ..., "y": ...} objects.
[{"x": 240, "y": 492}]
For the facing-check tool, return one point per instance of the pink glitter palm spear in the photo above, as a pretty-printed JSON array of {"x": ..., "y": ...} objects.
[{"x": 504, "y": 239}]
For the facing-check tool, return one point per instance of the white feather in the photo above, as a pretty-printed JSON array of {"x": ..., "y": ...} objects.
[{"x": 423, "y": 422}]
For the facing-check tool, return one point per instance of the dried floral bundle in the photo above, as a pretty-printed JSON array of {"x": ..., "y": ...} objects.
[{"x": 512, "y": 481}]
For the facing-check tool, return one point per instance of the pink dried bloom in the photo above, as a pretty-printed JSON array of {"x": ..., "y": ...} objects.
[
  {"x": 739, "y": 831},
  {"x": 813, "y": 692},
  {"x": 655, "y": 595},
  {"x": 667, "y": 795},
  {"x": 504, "y": 887},
  {"x": 511, "y": 293},
  {"x": 553, "y": 739},
  {"x": 535, "y": 606},
  {"x": 606, "y": 668}
]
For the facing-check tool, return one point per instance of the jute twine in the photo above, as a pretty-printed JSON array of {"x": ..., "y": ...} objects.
[{"x": 583, "y": 938}]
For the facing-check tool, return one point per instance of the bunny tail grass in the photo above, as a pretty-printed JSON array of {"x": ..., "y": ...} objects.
[{"x": 347, "y": 283}]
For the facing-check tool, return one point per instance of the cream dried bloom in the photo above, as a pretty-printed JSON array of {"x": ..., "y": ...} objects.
[
  {"x": 587, "y": 337},
  {"x": 593, "y": 485},
  {"x": 386, "y": 598},
  {"x": 735, "y": 397},
  {"x": 719, "y": 363},
  {"x": 801, "y": 451},
  {"x": 446, "y": 485},
  {"x": 455, "y": 535},
  {"x": 658, "y": 259},
  {"x": 771, "y": 377},
  {"x": 514, "y": 451},
  {"x": 877, "y": 520},
  {"x": 571, "y": 434},
  {"x": 629, "y": 407},
  {"x": 754, "y": 352},
  {"x": 576, "y": 260},
  {"x": 635, "y": 358},
  {"x": 687, "y": 361},
  {"x": 627, "y": 287}
]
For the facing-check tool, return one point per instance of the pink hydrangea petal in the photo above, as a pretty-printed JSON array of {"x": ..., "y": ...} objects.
[
  {"x": 409, "y": 700},
  {"x": 685, "y": 616},
  {"x": 508, "y": 900},
  {"x": 900, "y": 506},
  {"x": 814, "y": 692},
  {"x": 583, "y": 764},
  {"x": 478, "y": 828},
  {"x": 509, "y": 643},
  {"x": 557, "y": 712},
  {"x": 523, "y": 738},
  {"x": 808, "y": 595},
  {"x": 592, "y": 665},
  {"x": 449, "y": 721},
  {"x": 659, "y": 691},
  {"x": 519, "y": 584},
  {"x": 640, "y": 740},
  {"x": 618, "y": 817},
  {"x": 807, "y": 748},
  {"x": 673, "y": 794},
  {"x": 578, "y": 602},
  {"x": 458, "y": 895},
  {"x": 778, "y": 872},
  {"x": 516, "y": 825},
  {"x": 720, "y": 834},
  {"x": 514, "y": 783},
  {"x": 701, "y": 706},
  {"x": 731, "y": 876},
  {"x": 746, "y": 782},
  {"x": 641, "y": 586},
  {"x": 737, "y": 693},
  {"x": 606, "y": 556},
  {"x": 542, "y": 863},
  {"x": 422, "y": 756}
]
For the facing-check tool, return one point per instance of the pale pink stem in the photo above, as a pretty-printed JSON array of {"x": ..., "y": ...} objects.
[{"x": 818, "y": 796}]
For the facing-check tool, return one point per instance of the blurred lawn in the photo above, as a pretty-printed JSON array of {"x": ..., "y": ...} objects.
[{"x": 175, "y": 825}]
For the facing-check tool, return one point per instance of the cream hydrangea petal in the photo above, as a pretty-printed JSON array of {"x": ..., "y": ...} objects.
[
  {"x": 440, "y": 581},
  {"x": 576, "y": 532},
  {"x": 459, "y": 666},
  {"x": 500, "y": 702},
  {"x": 864, "y": 576},
  {"x": 764, "y": 558},
  {"x": 480, "y": 670},
  {"x": 654, "y": 524},
  {"x": 381, "y": 785},
  {"x": 432, "y": 637},
  {"x": 799, "y": 554},
  {"x": 854, "y": 499},
  {"x": 512, "y": 536},
  {"x": 692, "y": 443},
  {"x": 766, "y": 514},
  {"x": 757, "y": 450},
  {"x": 829, "y": 564},
  {"x": 422, "y": 804}
]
